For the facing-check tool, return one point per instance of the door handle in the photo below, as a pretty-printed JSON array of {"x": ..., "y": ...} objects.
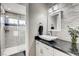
[{"x": 6, "y": 30}]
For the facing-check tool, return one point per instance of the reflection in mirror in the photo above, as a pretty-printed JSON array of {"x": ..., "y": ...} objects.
[{"x": 54, "y": 21}]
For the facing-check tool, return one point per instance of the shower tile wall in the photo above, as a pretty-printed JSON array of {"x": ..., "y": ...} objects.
[
  {"x": 21, "y": 34},
  {"x": 13, "y": 39},
  {"x": 10, "y": 38}
]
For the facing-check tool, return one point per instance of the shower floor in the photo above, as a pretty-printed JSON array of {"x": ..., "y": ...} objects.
[
  {"x": 19, "y": 54},
  {"x": 14, "y": 50}
]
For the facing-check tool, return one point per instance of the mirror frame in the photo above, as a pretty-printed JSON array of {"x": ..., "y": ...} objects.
[{"x": 59, "y": 13}]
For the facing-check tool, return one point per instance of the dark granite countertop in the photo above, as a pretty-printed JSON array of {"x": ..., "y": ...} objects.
[{"x": 64, "y": 46}]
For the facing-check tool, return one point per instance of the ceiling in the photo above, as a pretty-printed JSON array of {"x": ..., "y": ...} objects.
[{"x": 48, "y": 4}]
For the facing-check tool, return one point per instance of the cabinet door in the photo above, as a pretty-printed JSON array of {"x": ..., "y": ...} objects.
[
  {"x": 59, "y": 53},
  {"x": 37, "y": 49},
  {"x": 47, "y": 50},
  {"x": 43, "y": 49},
  {"x": 40, "y": 49}
]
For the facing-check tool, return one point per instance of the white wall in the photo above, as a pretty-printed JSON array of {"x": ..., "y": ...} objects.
[
  {"x": 37, "y": 13},
  {"x": 27, "y": 29}
]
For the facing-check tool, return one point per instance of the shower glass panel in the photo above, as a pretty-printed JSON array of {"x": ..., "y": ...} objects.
[
  {"x": 14, "y": 33},
  {"x": 11, "y": 26}
]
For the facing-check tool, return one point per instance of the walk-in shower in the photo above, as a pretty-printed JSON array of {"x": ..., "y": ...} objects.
[{"x": 12, "y": 32}]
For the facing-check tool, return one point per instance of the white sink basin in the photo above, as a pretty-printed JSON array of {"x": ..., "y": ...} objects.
[{"x": 48, "y": 37}]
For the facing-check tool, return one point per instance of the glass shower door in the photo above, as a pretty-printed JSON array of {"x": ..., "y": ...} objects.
[
  {"x": 11, "y": 33},
  {"x": 14, "y": 33}
]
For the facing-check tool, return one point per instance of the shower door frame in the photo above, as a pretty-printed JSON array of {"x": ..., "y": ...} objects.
[{"x": 2, "y": 24}]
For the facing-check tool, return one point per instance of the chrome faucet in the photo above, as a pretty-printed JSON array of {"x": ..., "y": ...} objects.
[{"x": 50, "y": 33}]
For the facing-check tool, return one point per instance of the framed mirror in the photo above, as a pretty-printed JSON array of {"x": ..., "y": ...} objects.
[{"x": 54, "y": 21}]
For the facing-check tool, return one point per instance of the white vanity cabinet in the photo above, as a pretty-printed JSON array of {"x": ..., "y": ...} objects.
[
  {"x": 45, "y": 50},
  {"x": 38, "y": 47}
]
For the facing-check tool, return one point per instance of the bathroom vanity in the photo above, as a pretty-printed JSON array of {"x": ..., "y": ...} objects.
[
  {"x": 45, "y": 46},
  {"x": 56, "y": 47}
]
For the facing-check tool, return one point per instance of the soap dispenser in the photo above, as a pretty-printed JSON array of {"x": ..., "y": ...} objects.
[{"x": 40, "y": 30}]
